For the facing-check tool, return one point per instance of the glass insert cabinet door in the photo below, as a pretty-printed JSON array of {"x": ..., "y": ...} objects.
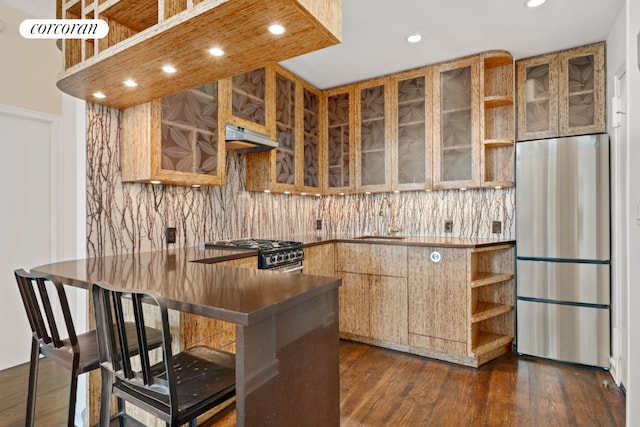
[
  {"x": 189, "y": 131},
  {"x": 538, "y": 98},
  {"x": 339, "y": 141},
  {"x": 582, "y": 88},
  {"x": 456, "y": 125},
  {"x": 413, "y": 109},
  {"x": 311, "y": 115},
  {"x": 373, "y": 166},
  {"x": 285, "y": 130}
]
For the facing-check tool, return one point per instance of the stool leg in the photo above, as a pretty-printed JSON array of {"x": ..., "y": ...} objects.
[
  {"x": 105, "y": 397},
  {"x": 33, "y": 382},
  {"x": 73, "y": 392}
]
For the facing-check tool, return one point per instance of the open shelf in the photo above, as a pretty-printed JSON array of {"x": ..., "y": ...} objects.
[
  {"x": 485, "y": 310},
  {"x": 488, "y": 341},
  {"x": 497, "y": 101},
  {"x": 484, "y": 278}
]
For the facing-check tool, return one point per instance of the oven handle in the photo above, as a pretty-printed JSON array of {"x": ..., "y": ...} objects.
[{"x": 293, "y": 269}]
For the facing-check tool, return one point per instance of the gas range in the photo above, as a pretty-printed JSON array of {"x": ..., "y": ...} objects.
[{"x": 272, "y": 254}]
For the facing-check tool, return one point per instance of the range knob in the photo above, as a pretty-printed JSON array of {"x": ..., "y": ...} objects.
[
  {"x": 280, "y": 257},
  {"x": 272, "y": 259}
]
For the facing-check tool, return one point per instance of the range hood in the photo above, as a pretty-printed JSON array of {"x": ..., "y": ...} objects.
[{"x": 243, "y": 140}]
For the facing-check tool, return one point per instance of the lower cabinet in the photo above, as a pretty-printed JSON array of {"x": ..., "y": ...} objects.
[
  {"x": 438, "y": 299},
  {"x": 319, "y": 260},
  {"x": 448, "y": 303},
  {"x": 373, "y": 295}
]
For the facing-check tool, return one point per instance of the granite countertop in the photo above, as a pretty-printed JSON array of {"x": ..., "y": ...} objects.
[{"x": 239, "y": 295}]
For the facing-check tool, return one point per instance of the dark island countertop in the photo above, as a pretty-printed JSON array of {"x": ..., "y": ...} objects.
[{"x": 239, "y": 295}]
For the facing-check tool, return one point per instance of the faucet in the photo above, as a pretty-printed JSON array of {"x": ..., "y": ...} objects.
[{"x": 387, "y": 224}]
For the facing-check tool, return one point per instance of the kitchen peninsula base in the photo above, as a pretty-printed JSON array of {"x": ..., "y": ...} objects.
[{"x": 287, "y": 370}]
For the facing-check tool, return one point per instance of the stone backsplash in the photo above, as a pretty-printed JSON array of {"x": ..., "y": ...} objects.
[{"x": 129, "y": 217}]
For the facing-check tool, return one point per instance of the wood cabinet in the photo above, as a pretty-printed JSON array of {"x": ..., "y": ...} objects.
[
  {"x": 449, "y": 303},
  {"x": 140, "y": 32},
  {"x": 562, "y": 93},
  {"x": 497, "y": 119},
  {"x": 373, "y": 295},
  {"x": 373, "y": 136},
  {"x": 319, "y": 260},
  {"x": 338, "y": 167},
  {"x": 437, "y": 299},
  {"x": 412, "y": 108},
  {"x": 295, "y": 165},
  {"x": 456, "y": 145},
  {"x": 175, "y": 140},
  {"x": 248, "y": 100}
]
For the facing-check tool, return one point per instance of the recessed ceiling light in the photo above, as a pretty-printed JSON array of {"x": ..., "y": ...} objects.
[
  {"x": 154, "y": 182},
  {"x": 216, "y": 51},
  {"x": 99, "y": 95},
  {"x": 168, "y": 69},
  {"x": 414, "y": 38},
  {"x": 276, "y": 29},
  {"x": 130, "y": 83},
  {"x": 534, "y": 3}
]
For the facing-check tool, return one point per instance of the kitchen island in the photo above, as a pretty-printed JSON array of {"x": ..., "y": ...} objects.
[{"x": 286, "y": 325}]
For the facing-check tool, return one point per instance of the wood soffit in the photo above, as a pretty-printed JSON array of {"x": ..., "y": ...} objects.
[{"x": 239, "y": 27}]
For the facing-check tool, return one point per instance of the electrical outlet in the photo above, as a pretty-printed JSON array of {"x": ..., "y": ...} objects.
[
  {"x": 448, "y": 226},
  {"x": 496, "y": 227},
  {"x": 318, "y": 224},
  {"x": 170, "y": 234}
]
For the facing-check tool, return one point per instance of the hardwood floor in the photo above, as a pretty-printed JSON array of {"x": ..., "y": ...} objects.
[{"x": 381, "y": 387}]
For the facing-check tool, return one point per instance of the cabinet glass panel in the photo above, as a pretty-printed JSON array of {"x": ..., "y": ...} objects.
[
  {"x": 248, "y": 96},
  {"x": 311, "y": 143},
  {"x": 456, "y": 124},
  {"x": 411, "y": 131},
  {"x": 189, "y": 131},
  {"x": 372, "y": 135},
  {"x": 581, "y": 91},
  {"x": 538, "y": 101},
  {"x": 285, "y": 130},
  {"x": 338, "y": 137}
]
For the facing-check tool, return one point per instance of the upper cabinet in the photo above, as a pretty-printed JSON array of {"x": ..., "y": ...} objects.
[
  {"x": 562, "y": 93},
  {"x": 175, "y": 140},
  {"x": 456, "y": 124},
  {"x": 497, "y": 119},
  {"x": 338, "y": 167},
  {"x": 411, "y": 98},
  {"x": 248, "y": 100},
  {"x": 295, "y": 108},
  {"x": 140, "y": 32},
  {"x": 373, "y": 136}
]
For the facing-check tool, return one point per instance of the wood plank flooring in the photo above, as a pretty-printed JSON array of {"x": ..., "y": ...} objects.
[{"x": 380, "y": 387}]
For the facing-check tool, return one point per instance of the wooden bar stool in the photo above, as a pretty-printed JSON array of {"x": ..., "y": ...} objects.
[
  {"x": 77, "y": 353},
  {"x": 177, "y": 389}
]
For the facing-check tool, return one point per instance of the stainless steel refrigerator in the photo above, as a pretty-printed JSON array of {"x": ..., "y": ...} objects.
[{"x": 563, "y": 249}]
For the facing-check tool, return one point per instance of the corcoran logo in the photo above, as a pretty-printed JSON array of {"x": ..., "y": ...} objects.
[{"x": 63, "y": 28}]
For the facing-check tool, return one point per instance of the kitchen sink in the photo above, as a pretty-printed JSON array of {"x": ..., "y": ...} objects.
[{"x": 380, "y": 237}]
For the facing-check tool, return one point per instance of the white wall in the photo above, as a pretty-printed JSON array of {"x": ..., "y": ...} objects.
[
  {"x": 29, "y": 67},
  {"x": 633, "y": 197},
  {"x": 48, "y": 175}
]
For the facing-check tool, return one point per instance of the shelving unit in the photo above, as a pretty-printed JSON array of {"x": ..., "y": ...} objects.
[
  {"x": 144, "y": 35},
  {"x": 491, "y": 294},
  {"x": 497, "y": 119}
]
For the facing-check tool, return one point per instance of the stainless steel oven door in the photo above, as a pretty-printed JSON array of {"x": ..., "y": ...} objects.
[{"x": 293, "y": 267}]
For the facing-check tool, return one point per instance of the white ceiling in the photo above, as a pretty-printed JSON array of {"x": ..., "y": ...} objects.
[{"x": 374, "y": 32}]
